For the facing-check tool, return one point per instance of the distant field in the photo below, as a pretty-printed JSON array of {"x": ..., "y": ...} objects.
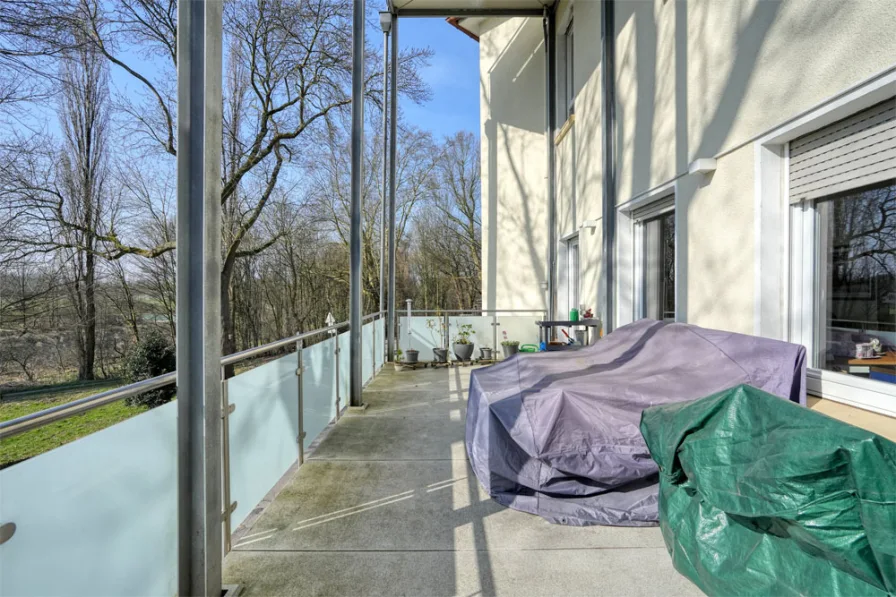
[{"x": 37, "y": 441}]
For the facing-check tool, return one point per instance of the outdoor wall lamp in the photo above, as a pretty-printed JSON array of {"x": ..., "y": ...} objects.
[
  {"x": 702, "y": 166},
  {"x": 386, "y": 21},
  {"x": 591, "y": 224}
]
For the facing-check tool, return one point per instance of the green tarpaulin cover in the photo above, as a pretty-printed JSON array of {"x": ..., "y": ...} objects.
[{"x": 760, "y": 496}]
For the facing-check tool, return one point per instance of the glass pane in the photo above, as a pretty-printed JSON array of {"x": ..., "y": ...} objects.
[
  {"x": 319, "y": 387},
  {"x": 423, "y": 334},
  {"x": 264, "y": 430},
  {"x": 345, "y": 363},
  {"x": 856, "y": 277},
  {"x": 659, "y": 268},
  {"x": 520, "y": 328},
  {"x": 97, "y": 516},
  {"x": 651, "y": 267},
  {"x": 668, "y": 262},
  {"x": 367, "y": 352}
]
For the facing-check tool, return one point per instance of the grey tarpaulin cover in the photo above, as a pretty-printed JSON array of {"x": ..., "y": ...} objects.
[{"x": 556, "y": 433}]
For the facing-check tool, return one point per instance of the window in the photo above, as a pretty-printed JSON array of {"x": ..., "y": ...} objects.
[
  {"x": 842, "y": 187},
  {"x": 659, "y": 267},
  {"x": 855, "y": 249},
  {"x": 566, "y": 75},
  {"x": 655, "y": 261},
  {"x": 573, "y": 263}
]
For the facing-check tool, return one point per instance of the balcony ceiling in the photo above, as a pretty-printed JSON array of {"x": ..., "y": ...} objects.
[{"x": 465, "y": 7}]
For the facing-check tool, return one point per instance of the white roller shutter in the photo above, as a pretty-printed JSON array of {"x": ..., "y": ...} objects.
[{"x": 853, "y": 152}]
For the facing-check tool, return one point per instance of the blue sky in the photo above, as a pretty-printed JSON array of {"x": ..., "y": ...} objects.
[{"x": 453, "y": 76}]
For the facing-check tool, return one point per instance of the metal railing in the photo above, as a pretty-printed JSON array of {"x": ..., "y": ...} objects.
[{"x": 63, "y": 411}]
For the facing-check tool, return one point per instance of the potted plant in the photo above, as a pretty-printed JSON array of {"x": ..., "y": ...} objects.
[
  {"x": 510, "y": 347},
  {"x": 439, "y": 353},
  {"x": 398, "y": 356},
  {"x": 463, "y": 347},
  {"x": 411, "y": 356}
]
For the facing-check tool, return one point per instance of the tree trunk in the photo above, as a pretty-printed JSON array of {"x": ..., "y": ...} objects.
[
  {"x": 88, "y": 356},
  {"x": 228, "y": 341}
]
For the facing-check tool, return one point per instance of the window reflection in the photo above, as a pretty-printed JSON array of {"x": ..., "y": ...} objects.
[
  {"x": 857, "y": 283},
  {"x": 659, "y": 267}
]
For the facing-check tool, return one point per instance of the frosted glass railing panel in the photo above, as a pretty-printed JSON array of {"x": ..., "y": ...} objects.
[
  {"x": 97, "y": 516},
  {"x": 380, "y": 342},
  {"x": 345, "y": 363},
  {"x": 264, "y": 431},
  {"x": 482, "y": 332},
  {"x": 521, "y": 328},
  {"x": 367, "y": 351},
  {"x": 423, "y": 334},
  {"x": 319, "y": 388}
]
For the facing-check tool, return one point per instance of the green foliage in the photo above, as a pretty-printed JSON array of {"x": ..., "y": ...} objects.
[
  {"x": 510, "y": 343},
  {"x": 464, "y": 331},
  {"x": 153, "y": 355}
]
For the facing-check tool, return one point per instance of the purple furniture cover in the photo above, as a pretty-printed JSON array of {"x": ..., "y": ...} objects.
[{"x": 556, "y": 433}]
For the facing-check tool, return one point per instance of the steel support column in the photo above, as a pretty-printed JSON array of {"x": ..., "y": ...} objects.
[
  {"x": 393, "y": 151},
  {"x": 199, "y": 134},
  {"x": 608, "y": 124},
  {"x": 550, "y": 103},
  {"x": 386, "y": 21},
  {"x": 355, "y": 323}
]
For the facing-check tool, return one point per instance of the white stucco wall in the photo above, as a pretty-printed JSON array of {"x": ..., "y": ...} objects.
[
  {"x": 514, "y": 206},
  {"x": 696, "y": 79},
  {"x": 703, "y": 79}
]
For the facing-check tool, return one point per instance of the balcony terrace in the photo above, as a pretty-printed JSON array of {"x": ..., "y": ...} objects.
[{"x": 386, "y": 504}]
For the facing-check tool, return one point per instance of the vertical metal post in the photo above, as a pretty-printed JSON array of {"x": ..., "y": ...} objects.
[
  {"x": 199, "y": 134},
  {"x": 550, "y": 64},
  {"x": 495, "y": 334},
  {"x": 608, "y": 124},
  {"x": 300, "y": 375},
  {"x": 393, "y": 150},
  {"x": 386, "y": 23},
  {"x": 229, "y": 508},
  {"x": 336, "y": 357},
  {"x": 357, "y": 182}
]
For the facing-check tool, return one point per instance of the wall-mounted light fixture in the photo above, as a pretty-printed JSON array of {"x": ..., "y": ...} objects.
[
  {"x": 702, "y": 166},
  {"x": 591, "y": 224}
]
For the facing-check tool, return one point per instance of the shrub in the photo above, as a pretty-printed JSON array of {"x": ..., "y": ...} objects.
[{"x": 153, "y": 355}]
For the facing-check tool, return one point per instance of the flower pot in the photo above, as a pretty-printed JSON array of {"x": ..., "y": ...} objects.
[
  {"x": 398, "y": 366},
  {"x": 485, "y": 354},
  {"x": 440, "y": 355},
  {"x": 510, "y": 349},
  {"x": 463, "y": 351},
  {"x": 411, "y": 356}
]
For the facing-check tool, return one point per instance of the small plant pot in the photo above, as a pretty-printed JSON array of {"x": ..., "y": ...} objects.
[
  {"x": 398, "y": 366},
  {"x": 410, "y": 356},
  {"x": 440, "y": 355},
  {"x": 510, "y": 349},
  {"x": 463, "y": 351},
  {"x": 486, "y": 354}
]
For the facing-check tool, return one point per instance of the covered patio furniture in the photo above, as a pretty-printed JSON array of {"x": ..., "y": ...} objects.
[{"x": 556, "y": 434}]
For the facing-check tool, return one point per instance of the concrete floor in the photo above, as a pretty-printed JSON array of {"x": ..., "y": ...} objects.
[{"x": 387, "y": 505}]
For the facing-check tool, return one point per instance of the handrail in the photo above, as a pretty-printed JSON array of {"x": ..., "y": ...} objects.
[
  {"x": 485, "y": 311},
  {"x": 76, "y": 407}
]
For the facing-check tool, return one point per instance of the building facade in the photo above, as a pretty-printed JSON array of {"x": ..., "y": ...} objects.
[{"x": 755, "y": 172}]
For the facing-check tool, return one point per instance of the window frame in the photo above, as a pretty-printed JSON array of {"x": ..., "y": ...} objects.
[
  {"x": 785, "y": 273},
  {"x": 658, "y": 208},
  {"x": 565, "y": 69}
]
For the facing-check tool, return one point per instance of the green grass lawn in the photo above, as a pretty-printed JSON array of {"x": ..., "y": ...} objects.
[{"x": 37, "y": 441}]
